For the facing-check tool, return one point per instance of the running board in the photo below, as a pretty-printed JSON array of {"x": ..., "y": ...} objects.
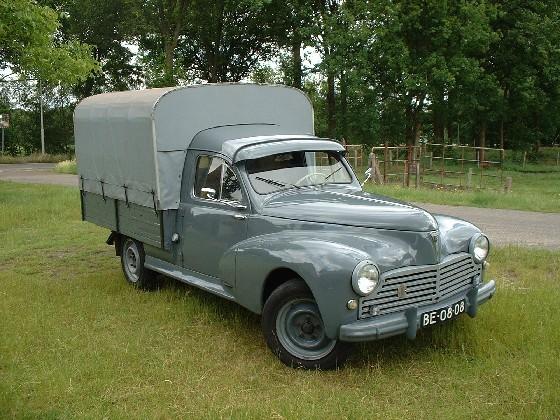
[{"x": 186, "y": 276}]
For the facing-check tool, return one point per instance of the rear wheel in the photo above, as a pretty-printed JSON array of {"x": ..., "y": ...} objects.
[
  {"x": 295, "y": 332},
  {"x": 132, "y": 261}
]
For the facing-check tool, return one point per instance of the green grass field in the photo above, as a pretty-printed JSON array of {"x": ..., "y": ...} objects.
[
  {"x": 535, "y": 191},
  {"x": 77, "y": 341}
]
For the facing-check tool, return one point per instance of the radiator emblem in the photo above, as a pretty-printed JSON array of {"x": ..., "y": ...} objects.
[{"x": 401, "y": 291}]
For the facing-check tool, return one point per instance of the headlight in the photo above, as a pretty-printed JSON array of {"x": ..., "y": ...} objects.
[
  {"x": 365, "y": 278},
  {"x": 479, "y": 247}
]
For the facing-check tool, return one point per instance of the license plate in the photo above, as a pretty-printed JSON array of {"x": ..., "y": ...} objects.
[{"x": 443, "y": 314}]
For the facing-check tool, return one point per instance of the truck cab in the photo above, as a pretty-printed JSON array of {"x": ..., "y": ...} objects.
[{"x": 256, "y": 209}]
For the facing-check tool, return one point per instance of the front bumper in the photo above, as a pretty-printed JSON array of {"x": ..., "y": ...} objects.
[{"x": 408, "y": 321}]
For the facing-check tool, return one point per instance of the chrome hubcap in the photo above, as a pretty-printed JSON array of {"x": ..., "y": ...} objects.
[{"x": 132, "y": 261}]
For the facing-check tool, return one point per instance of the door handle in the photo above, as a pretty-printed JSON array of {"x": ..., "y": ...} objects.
[{"x": 239, "y": 216}]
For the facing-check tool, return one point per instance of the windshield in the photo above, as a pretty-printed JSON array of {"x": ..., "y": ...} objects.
[{"x": 296, "y": 169}]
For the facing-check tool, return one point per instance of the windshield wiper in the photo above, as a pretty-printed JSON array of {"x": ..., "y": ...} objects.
[
  {"x": 277, "y": 183},
  {"x": 334, "y": 172}
]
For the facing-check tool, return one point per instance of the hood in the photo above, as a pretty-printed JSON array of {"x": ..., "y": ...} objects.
[{"x": 351, "y": 208}]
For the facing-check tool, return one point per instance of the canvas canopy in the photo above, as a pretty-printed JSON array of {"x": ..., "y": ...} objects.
[{"x": 132, "y": 145}]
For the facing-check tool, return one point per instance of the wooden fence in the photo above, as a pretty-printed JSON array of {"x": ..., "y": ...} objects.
[{"x": 438, "y": 165}]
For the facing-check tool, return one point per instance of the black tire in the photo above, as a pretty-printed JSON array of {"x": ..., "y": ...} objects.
[
  {"x": 132, "y": 263},
  {"x": 294, "y": 330}
]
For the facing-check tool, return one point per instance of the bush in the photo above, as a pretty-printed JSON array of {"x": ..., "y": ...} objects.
[{"x": 66, "y": 167}]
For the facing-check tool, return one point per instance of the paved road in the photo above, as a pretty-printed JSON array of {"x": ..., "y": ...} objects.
[
  {"x": 35, "y": 173},
  {"x": 502, "y": 226}
]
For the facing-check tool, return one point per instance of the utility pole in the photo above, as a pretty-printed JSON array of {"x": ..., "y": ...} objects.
[
  {"x": 4, "y": 123},
  {"x": 42, "y": 126}
]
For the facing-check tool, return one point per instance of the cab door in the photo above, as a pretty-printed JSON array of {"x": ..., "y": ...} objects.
[{"x": 215, "y": 219}]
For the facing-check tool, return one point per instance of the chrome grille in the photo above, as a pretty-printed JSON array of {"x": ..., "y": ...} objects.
[{"x": 420, "y": 285}]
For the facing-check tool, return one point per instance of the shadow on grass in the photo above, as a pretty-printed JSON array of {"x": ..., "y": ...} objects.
[{"x": 224, "y": 311}]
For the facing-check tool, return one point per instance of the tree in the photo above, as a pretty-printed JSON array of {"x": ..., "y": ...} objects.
[
  {"x": 422, "y": 55},
  {"x": 29, "y": 45},
  {"x": 525, "y": 61},
  {"x": 292, "y": 24},
  {"x": 225, "y": 40},
  {"x": 160, "y": 25},
  {"x": 108, "y": 28}
]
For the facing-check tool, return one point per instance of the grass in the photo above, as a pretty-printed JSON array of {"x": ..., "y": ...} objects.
[
  {"x": 66, "y": 167},
  {"x": 35, "y": 158},
  {"x": 530, "y": 191},
  {"x": 76, "y": 341}
]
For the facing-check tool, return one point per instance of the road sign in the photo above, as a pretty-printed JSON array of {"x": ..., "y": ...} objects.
[{"x": 4, "y": 120}]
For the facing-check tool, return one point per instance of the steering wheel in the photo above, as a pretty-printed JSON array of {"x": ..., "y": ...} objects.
[{"x": 308, "y": 176}]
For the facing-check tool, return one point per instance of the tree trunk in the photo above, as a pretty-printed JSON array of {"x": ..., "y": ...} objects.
[
  {"x": 169, "y": 73},
  {"x": 413, "y": 122},
  {"x": 213, "y": 45},
  {"x": 437, "y": 126},
  {"x": 331, "y": 105},
  {"x": 502, "y": 133},
  {"x": 417, "y": 132},
  {"x": 296, "y": 60},
  {"x": 482, "y": 142},
  {"x": 344, "y": 104}
]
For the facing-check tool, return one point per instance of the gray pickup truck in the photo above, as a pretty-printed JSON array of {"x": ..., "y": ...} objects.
[{"x": 226, "y": 188}]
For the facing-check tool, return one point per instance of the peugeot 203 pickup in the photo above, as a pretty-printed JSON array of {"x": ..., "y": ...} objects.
[{"x": 226, "y": 188}]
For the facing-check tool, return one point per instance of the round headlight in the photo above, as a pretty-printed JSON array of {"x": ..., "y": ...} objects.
[
  {"x": 365, "y": 278},
  {"x": 479, "y": 247}
]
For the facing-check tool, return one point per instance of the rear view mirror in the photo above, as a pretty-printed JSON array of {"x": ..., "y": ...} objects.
[{"x": 368, "y": 176}]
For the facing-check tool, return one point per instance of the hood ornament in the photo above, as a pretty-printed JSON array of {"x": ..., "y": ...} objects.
[{"x": 434, "y": 235}]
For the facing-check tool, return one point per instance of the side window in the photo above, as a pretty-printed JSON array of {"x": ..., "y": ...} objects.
[
  {"x": 231, "y": 189},
  {"x": 215, "y": 180},
  {"x": 208, "y": 177}
]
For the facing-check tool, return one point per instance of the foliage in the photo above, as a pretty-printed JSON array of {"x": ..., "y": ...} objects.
[
  {"x": 106, "y": 26},
  {"x": 22, "y": 137},
  {"x": 29, "y": 45},
  {"x": 34, "y": 158},
  {"x": 477, "y": 72},
  {"x": 224, "y": 40},
  {"x": 66, "y": 167}
]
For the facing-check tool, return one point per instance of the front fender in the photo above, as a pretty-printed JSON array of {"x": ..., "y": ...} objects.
[
  {"x": 324, "y": 265},
  {"x": 455, "y": 234}
]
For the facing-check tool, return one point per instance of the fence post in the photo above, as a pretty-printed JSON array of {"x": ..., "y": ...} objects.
[
  {"x": 507, "y": 186},
  {"x": 375, "y": 168},
  {"x": 385, "y": 163},
  {"x": 524, "y": 159},
  {"x": 442, "y": 169},
  {"x": 558, "y": 159},
  {"x": 469, "y": 178},
  {"x": 405, "y": 172},
  {"x": 417, "y": 174},
  {"x": 408, "y": 163}
]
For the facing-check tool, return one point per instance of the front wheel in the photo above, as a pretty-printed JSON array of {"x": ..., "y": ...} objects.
[
  {"x": 295, "y": 332},
  {"x": 132, "y": 261}
]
